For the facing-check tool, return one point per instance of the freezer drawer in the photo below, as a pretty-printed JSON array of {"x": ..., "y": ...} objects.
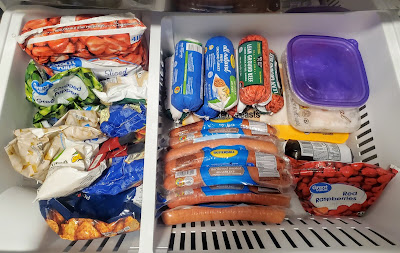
[{"x": 375, "y": 142}]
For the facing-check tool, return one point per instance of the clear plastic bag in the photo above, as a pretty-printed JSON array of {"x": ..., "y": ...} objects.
[
  {"x": 33, "y": 149},
  {"x": 58, "y": 38},
  {"x": 85, "y": 217},
  {"x": 222, "y": 155},
  {"x": 265, "y": 144},
  {"x": 255, "y": 127},
  {"x": 264, "y": 169},
  {"x": 338, "y": 189},
  {"x": 216, "y": 134},
  {"x": 228, "y": 193},
  {"x": 258, "y": 213}
]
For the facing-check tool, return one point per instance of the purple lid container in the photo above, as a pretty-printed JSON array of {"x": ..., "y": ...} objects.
[{"x": 327, "y": 71}]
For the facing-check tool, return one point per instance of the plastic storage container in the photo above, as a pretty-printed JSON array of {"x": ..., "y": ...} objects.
[
  {"x": 316, "y": 120},
  {"x": 375, "y": 142},
  {"x": 326, "y": 72}
]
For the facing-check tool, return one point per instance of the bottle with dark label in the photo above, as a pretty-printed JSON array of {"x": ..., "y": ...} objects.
[{"x": 318, "y": 151}]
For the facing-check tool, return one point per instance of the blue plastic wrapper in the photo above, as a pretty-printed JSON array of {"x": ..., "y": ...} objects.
[
  {"x": 187, "y": 82},
  {"x": 205, "y": 111},
  {"x": 122, "y": 175},
  {"x": 119, "y": 120},
  {"x": 82, "y": 217},
  {"x": 220, "y": 74}
]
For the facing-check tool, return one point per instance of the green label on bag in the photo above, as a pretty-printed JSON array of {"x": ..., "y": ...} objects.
[
  {"x": 251, "y": 64},
  {"x": 276, "y": 87}
]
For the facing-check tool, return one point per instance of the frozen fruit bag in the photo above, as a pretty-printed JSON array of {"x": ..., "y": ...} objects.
[
  {"x": 81, "y": 216},
  {"x": 86, "y": 36},
  {"x": 339, "y": 189}
]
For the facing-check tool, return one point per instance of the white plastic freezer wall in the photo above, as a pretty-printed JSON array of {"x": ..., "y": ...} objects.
[{"x": 377, "y": 141}]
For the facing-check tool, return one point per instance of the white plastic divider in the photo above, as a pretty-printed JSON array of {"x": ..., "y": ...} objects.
[
  {"x": 147, "y": 225},
  {"x": 4, "y": 25}
]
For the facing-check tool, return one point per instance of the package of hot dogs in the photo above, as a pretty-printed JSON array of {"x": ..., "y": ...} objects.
[
  {"x": 228, "y": 193},
  {"x": 184, "y": 214},
  {"x": 339, "y": 189},
  {"x": 216, "y": 134},
  {"x": 259, "y": 145},
  {"x": 220, "y": 155},
  {"x": 255, "y": 127},
  {"x": 228, "y": 165},
  {"x": 86, "y": 36}
]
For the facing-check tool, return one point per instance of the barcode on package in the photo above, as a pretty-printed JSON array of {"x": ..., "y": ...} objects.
[
  {"x": 186, "y": 173},
  {"x": 320, "y": 151},
  {"x": 306, "y": 148},
  {"x": 266, "y": 164},
  {"x": 258, "y": 127},
  {"x": 194, "y": 47}
]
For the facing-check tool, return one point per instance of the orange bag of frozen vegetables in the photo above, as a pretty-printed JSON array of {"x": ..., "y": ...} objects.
[{"x": 86, "y": 36}]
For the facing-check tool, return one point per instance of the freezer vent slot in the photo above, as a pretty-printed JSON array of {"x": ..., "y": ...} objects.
[
  {"x": 301, "y": 233},
  {"x": 365, "y": 149},
  {"x": 333, "y": 3},
  {"x": 119, "y": 243}
]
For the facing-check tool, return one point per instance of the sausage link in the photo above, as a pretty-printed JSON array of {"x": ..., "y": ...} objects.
[
  {"x": 249, "y": 143},
  {"x": 199, "y": 197},
  {"x": 199, "y": 213},
  {"x": 195, "y": 180},
  {"x": 186, "y": 139},
  {"x": 198, "y": 126},
  {"x": 194, "y": 161}
]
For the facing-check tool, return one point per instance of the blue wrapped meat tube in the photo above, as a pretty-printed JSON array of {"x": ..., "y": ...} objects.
[{"x": 187, "y": 83}]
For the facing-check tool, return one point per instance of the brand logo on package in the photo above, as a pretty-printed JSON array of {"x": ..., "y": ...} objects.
[
  {"x": 320, "y": 188},
  {"x": 224, "y": 153},
  {"x": 41, "y": 89},
  {"x": 65, "y": 65}
]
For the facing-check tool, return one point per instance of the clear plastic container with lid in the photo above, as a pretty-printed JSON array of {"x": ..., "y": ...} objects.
[
  {"x": 317, "y": 120},
  {"x": 326, "y": 72}
]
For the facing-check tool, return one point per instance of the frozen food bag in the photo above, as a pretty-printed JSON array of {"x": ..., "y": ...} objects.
[
  {"x": 84, "y": 217},
  {"x": 87, "y": 36}
]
